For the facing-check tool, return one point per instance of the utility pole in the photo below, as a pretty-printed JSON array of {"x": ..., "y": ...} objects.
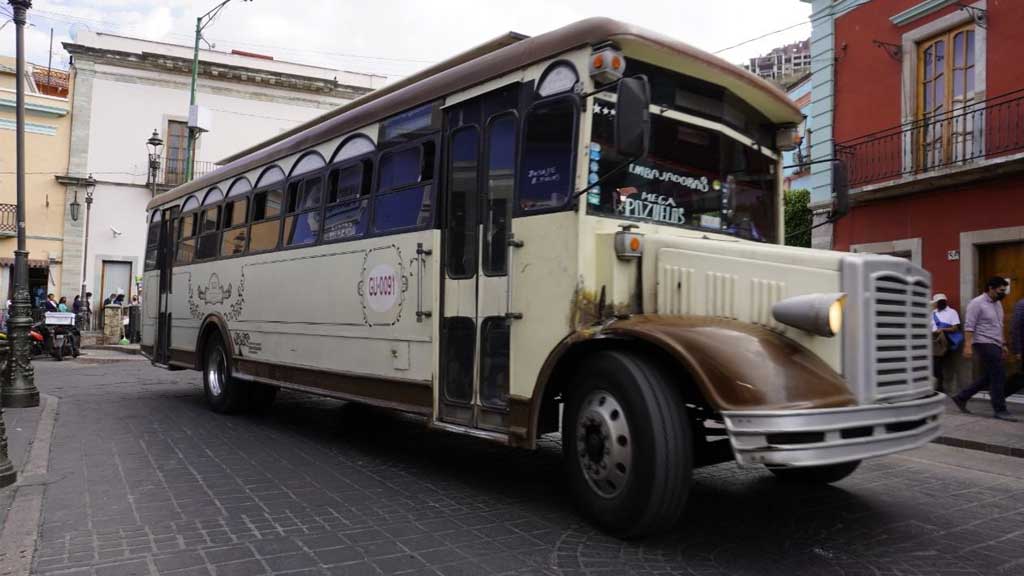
[
  {"x": 20, "y": 391},
  {"x": 201, "y": 23}
]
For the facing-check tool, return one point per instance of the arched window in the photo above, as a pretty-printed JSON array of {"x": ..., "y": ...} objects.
[
  {"x": 305, "y": 195},
  {"x": 156, "y": 216},
  {"x": 153, "y": 240},
  {"x": 353, "y": 146},
  {"x": 266, "y": 210},
  {"x": 208, "y": 227},
  {"x": 308, "y": 163},
  {"x": 186, "y": 249},
  {"x": 236, "y": 219}
]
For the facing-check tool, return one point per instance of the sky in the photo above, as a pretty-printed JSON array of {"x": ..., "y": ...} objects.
[{"x": 395, "y": 38}]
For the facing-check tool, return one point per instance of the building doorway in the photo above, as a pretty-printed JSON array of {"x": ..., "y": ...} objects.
[
  {"x": 117, "y": 278},
  {"x": 1007, "y": 261}
]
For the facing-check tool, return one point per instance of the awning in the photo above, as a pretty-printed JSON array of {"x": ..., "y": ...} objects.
[{"x": 32, "y": 263}]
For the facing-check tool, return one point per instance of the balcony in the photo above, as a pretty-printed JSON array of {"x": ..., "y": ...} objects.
[
  {"x": 172, "y": 171},
  {"x": 970, "y": 142}
]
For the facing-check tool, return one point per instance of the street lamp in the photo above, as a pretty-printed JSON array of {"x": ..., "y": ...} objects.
[
  {"x": 20, "y": 389},
  {"x": 201, "y": 23},
  {"x": 90, "y": 186},
  {"x": 155, "y": 144}
]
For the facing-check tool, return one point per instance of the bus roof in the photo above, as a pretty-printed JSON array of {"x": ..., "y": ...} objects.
[{"x": 495, "y": 58}]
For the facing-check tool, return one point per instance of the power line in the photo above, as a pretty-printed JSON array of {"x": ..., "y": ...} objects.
[{"x": 745, "y": 42}]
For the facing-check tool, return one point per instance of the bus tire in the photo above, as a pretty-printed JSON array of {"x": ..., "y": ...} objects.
[
  {"x": 224, "y": 394},
  {"x": 627, "y": 445},
  {"x": 261, "y": 396},
  {"x": 816, "y": 474}
]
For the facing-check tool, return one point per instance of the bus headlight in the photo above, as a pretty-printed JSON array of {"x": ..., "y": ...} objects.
[{"x": 820, "y": 314}]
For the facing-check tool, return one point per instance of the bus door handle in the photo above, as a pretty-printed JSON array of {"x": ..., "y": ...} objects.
[
  {"x": 421, "y": 257},
  {"x": 509, "y": 314}
]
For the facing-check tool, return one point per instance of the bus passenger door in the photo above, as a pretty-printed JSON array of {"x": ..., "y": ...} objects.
[
  {"x": 165, "y": 261},
  {"x": 475, "y": 325}
]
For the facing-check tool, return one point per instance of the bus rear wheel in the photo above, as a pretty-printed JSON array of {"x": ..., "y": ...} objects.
[
  {"x": 627, "y": 445},
  {"x": 224, "y": 394}
]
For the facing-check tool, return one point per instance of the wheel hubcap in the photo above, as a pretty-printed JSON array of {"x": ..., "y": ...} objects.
[
  {"x": 603, "y": 444},
  {"x": 215, "y": 372}
]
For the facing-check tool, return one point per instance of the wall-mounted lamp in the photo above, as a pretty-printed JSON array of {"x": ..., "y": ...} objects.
[{"x": 895, "y": 51}]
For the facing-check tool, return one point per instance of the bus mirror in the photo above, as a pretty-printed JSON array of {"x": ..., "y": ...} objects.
[
  {"x": 633, "y": 117},
  {"x": 840, "y": 190}
]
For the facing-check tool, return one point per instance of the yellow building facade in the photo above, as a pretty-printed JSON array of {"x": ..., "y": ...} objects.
[{"x": 47, "y": 140}]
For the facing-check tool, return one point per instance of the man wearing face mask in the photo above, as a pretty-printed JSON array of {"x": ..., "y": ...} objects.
[
  {"x": 946, "y": 320},
  {"x": 983, "y": 329}
]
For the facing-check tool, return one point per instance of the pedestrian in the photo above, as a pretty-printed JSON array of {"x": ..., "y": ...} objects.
[
  {"x": 88, "y": 311},
  {"x": 51, "y": 304},
  {"x": 983, "y": 329},
  {"x": 76, "y": 305},
  {"x": 947, "y": 336},
  {"x": 110, "y": 300},
  {"x": 62, "y": 306}
]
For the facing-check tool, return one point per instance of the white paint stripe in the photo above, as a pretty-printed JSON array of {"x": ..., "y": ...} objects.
[{"x": 18, "y": 538}]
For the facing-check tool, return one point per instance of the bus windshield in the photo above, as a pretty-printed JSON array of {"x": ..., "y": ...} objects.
[{"x": 692, "y": 177}]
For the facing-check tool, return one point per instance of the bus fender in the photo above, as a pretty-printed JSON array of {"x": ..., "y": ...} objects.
[
  {"x": 734, "y": 365},
  {"x": 212, "y": 322}
]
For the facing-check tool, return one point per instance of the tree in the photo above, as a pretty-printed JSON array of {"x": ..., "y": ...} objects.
[{"x": 798, "y": 218}]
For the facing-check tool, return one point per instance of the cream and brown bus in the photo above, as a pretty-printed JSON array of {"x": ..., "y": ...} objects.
[{"x": 579, "y": 232}]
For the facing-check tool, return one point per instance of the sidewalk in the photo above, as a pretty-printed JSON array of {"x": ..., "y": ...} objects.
[
  {"x": 21, "y": 428},
  {"x": 980, "y": 431}
]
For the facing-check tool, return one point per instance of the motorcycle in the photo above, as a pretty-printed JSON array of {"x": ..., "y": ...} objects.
[
  {"x": 37, "y": 341},
  {"x": 61, "y": 337}
]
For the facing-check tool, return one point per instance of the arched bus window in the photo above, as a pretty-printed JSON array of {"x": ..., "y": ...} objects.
[
  {"x": 305, "y": 196},
  {"x": 352, "y": 147},
  {"x": 236, "y": 218},
  {"x": 404, "y": 188},
  {"x": 349, "y": 183},
  {"x": 187, "y": 231},
  {"x": 266, "y": 210},
  {"x": 208, "y": 227},
  {"x": 152, "y": 241}
]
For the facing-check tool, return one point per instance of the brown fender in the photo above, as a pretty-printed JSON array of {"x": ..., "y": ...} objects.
[{"x": 735, "y": 365}]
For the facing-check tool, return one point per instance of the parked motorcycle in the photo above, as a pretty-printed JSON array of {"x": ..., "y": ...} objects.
[
  {"x": 36, "y": 339},
  {"x": 61, "y": 337}
]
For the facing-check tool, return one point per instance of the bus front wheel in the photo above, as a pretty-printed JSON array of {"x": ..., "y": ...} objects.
[
  {"x": 627, "y": 445},
  {"x": 224, "y": 394}
]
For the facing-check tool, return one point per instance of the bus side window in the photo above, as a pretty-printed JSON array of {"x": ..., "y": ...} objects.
[
  {"x": 404, "y": 188},
  {"x": 347, "y": 201},
  {"x": 186, "y": 239},
  {"x": 462, "y": 198},
  {"x": 302, "y": 225},
  {"x": 501, "y": 166},
  {"x": 266, "y": 222},
  {"x": 235, "y": 230},
  {"x": 209, "y": 236},
  {"x": 545, "y": 178},
  {"x": 153, "y": 242}
]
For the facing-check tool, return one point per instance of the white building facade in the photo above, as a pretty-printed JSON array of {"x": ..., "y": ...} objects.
[{"x": 126, "y": 88}]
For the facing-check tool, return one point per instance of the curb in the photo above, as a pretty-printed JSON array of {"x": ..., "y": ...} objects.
[
  {"x": 980, "y": 446},
  {"x": 114, "y": 348}
]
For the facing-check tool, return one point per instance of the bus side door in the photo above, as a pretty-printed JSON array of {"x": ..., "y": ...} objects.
[{"x": 480, "y": 140}]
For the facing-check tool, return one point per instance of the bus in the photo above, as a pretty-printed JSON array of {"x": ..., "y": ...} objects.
[{"x": 578, "y": 233}]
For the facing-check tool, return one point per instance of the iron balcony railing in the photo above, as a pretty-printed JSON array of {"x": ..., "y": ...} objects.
[
  {"x": 8, "y": 219},
  {"x": 961, "y": 137},
  {"x": 172, "y": 170}
]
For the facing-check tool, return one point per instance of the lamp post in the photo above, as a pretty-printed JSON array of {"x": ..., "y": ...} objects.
[
  {"x": 155, "y": 144},
  {"x": 201, "y": 23},
  {"x": 90, "y": 186},
  {"x": 20, "y": 390}
]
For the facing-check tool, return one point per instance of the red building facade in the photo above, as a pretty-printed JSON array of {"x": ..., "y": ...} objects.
[{"x": 928, "y": 114}]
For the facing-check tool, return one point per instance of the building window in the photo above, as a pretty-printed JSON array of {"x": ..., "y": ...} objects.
[
  {"x": 177, "y": 143},
  {"x": 946, "y": 91}
]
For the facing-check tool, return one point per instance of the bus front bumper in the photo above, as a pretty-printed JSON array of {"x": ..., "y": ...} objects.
[{"x": 817, "y": 437}]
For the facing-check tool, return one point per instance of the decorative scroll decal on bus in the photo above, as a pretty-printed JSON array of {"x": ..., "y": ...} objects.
[
  {"x": 383, "y": 285},
  {"x": 243, "y": 341},
  {"x": 213, "y": 293}
]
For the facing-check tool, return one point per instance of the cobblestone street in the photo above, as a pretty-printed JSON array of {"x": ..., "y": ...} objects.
[{"x": 143, "y": 479}]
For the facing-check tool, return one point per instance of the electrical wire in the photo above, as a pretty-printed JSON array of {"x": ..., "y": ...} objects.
[{"x": 772, "y": 33}]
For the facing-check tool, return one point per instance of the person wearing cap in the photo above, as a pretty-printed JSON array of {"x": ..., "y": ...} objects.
[{"x": 945, "y": 320}]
